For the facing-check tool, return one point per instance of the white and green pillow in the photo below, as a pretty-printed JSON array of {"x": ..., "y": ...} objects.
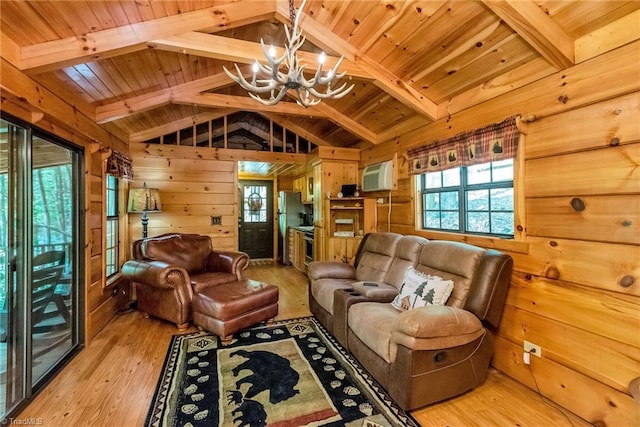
[{"x": 419, "y": 289}]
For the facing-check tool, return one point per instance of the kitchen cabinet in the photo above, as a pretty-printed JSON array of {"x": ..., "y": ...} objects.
[
  {"x": 297, "y": 252},
  {"x": 307, "y": 194},
  {"x": 304, "y": 185}
]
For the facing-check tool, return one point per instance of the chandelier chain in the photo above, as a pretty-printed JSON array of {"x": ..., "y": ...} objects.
[{"x": 292, "y": 13}]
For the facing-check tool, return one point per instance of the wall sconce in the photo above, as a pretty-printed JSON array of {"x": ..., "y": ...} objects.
[{"x": 143, "y": 200}]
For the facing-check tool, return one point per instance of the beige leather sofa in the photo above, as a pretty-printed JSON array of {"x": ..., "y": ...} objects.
[
  {"x": 422, "y": 355},
  {"x": 168, "y": 269}
]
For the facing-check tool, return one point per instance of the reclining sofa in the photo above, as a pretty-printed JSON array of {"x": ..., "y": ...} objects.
[
  {"x": 419, "y": 355},
  {"x": 169, "y": 268}
]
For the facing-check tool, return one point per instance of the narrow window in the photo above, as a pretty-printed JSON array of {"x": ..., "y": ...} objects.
[{"x": 113, "y": 226}]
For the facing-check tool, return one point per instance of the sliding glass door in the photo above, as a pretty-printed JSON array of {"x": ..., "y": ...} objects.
[
  {"x": 39, "y": 248},
  {"x": 12, "y": 327}
]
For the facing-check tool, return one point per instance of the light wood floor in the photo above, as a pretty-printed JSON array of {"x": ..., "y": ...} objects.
[{"x": 112, "y": 381}]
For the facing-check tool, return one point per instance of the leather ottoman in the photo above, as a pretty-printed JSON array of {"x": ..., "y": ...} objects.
[{"x": 228, "y": 308}]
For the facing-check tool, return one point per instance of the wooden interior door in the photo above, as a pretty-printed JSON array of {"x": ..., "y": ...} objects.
[{"x": 256, "y": 219}]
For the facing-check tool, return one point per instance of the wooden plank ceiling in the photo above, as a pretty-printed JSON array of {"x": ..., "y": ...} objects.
[{"x": 148, "y": 67}]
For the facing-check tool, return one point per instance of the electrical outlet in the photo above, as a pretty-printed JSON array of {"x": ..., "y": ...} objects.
[
  {"x": 216, "y": 220},
  {"x": 532, "y": 348},
  {"x": 380, "y": 200}
]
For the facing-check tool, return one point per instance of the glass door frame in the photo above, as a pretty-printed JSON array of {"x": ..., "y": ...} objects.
[{"x": 21, "y": 244}]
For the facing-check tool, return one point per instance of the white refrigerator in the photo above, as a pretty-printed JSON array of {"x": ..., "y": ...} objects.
[{"x": 289, "y": 209}]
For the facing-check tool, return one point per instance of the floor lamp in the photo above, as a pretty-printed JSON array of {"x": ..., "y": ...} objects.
[{"x": 144, "y": 200}]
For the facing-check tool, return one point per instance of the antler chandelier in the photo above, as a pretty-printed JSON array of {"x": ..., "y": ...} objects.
[{"x": 277, "y": 83}]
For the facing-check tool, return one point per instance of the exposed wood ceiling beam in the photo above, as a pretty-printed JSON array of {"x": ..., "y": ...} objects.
[
  {"x": 348, "y": 123},
  {"x": 229, "y": 49},
  {"x": 119, "y": 109},
  {"x": 34, "y": 97},
  {"x": 175, "y": 126},
  {"x": 56, "y": 54},
  {"x": 537, "y": 28},
  {"x": 245, "y": 103},
  {"x": 383, "y": 78},
  {"x": 10, "y": 50}
]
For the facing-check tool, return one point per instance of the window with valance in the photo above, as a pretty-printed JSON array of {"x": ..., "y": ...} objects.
[
  {"x": 119, "y": 166},
  {"x": 498, "y": 141}
]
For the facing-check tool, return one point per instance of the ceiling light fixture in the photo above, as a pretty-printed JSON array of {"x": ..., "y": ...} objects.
[{"x": 277, "y": 83}]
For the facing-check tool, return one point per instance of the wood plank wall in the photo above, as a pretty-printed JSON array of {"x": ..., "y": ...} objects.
[
  {"x": 575, "y": 290},
  {"x": 194, "y": 185}
]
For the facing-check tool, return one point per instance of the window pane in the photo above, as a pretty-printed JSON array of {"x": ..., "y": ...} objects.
[
  {"x": 502, "y": 223},
  {"x": 112, "y": 196},
  {"x": 255, "y": 203},
  {"x": 450, "y": 221},
  {"x": 434, "y": 180},
  {"x": 451, "y": 177},
  {"x": 450, "y": 200},
  {"x": 479, "y": 174},
  {"x": 503, "y": 170},
  {"x": 478, "y": 200},
  {"x": 432, "y": 220},
  {"x": 478, "y": 222},
  {"x": 502, "y": 199},
  {"x": 431, "y": 201},
  {"x": 111, "y": 246}
]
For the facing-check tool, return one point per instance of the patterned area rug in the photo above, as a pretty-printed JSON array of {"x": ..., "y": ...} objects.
[{"x": 290, "y": 373}]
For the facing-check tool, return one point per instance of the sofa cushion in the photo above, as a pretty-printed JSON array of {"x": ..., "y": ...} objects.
[
  {"x": 187, "y": 251},
  {"x": 407, "y": 254},
  {"x": 420, "y": 289},
  {"x": 322, "y": 291},
  {"x": 372, "y": 323},
  {"x": 376, "y": 256},
  {"x": 435, "y": 327},
  {"x": 451, "y": 261}
]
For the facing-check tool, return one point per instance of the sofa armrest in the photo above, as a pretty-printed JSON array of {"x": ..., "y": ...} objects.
[
  {"x": 375, "y": 291},
  {"x": 228, "y": 262},
  {"x": 156, "y": 274},
  {"x": 330, "y": 270},
  {"x": 435, "y": 327}
]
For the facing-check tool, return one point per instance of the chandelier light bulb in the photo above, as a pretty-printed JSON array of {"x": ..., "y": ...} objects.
[{"x": 285, "y": 74}]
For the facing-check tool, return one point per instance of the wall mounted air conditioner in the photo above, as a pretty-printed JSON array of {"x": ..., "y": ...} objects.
[{"x": 378, "y": 177}]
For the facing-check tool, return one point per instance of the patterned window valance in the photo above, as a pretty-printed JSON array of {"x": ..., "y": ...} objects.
[
  {"x": 498, "y": 141},
  {"x": 120, "y": 166}
]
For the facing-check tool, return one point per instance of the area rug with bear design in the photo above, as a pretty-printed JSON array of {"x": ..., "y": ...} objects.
[{"x": 289, "y": 373}]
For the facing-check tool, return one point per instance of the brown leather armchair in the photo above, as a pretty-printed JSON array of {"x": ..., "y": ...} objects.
[{"x": 168, "y": 269}]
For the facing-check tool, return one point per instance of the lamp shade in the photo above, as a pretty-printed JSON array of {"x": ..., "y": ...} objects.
[{"x": 144, "y": 200}]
